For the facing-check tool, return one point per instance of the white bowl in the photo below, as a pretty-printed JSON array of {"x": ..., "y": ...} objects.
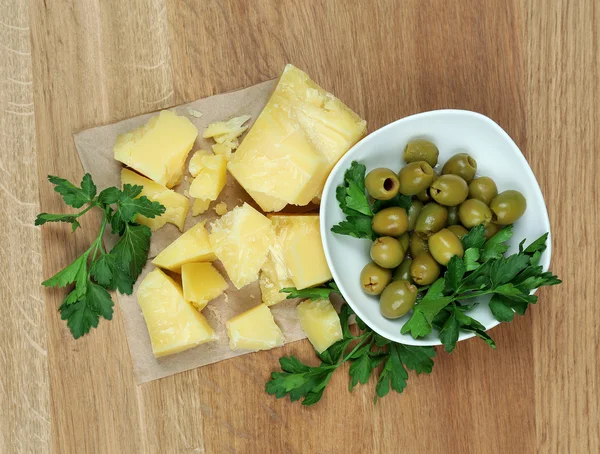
[{"x": 497, "y": 156}]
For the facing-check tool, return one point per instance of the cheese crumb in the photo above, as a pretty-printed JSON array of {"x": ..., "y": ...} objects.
[{"x": 221, "y": 208}]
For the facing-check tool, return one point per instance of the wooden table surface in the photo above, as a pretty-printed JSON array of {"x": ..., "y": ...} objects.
[{"x": 533, "y": 66}]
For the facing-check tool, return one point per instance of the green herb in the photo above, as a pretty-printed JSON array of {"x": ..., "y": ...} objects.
[
  {"x": 365, "y": 352},
  {"x": 483, "y": 270},
  {"x": 314, "y": 293},
  {"x": 354, "y": 203},
  {"x": 96, "y": 271}
]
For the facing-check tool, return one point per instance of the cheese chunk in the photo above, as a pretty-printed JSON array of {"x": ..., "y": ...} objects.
[
  {"x": 174, "y": 324},
  {"x": 320, "y": 322},
  {"x": 200, "y": 206},
  {"x": 226, "y": 131},
  {"x": 201, "y": 283},
  {"x": 300, "y": 240},
  {"x": 221, "y": 208},
  {"x": 195, "y": 164},
  {"x": 192, "y": 246},
  {"x": 176, "y": 205},
  {"x": 158, "y": 149},
  {"x": 271, "y": 284},
  {"x": 241, "y": 240},
  {"x": 297, "y": 139},
  {"x": 211, "y": 177},
  {"x": 254, "y": 330},
  {"x": 222, "y": 149}
]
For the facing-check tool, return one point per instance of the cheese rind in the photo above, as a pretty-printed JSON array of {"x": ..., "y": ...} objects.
[
  {"x": 299, "y": 238},
  {"x": 201, "y": 283},
  {"x": 297, "y": 139},
  {"x": 158, "y": 149},
  {"x": 174, "y": 325},
  {"x": 254, "y": 330},
  {"x": 192, "y": 246},
  {"x": 320, "y": 322},
  {"x": 241, "y": 240},
  {"x": 176, "y": 205},
  {"x": 210, "y": 178}
]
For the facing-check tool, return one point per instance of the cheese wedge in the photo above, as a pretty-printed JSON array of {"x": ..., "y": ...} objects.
[
  {"x": 192, "y": 246},
  {"x": 254, "y": 330},
  {"x": 176, "y": 205},
  {"x": 320, "y": 322},
  {"x": 158, "y": 149},
  {"x": 241, "y": 240},
  {"x": 299, "y": 238},
  {"x": 200, "y": 206},
  {"x": 297, "y": 139},
  {"x": 201, "y": 283},
  {"x": 210, "y": 178},
  {"x": 174, "y": 324}
]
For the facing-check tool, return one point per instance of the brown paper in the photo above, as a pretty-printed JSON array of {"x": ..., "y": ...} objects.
[{"x": 95, "y": 150}]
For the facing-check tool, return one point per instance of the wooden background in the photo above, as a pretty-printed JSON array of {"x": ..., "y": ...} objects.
[{"x": 533, "y": 66}]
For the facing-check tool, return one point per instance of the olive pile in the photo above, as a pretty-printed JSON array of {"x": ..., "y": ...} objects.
[{"x": 413, "y": 245}]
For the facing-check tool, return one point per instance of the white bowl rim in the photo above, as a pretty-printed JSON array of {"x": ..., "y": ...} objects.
[{"x": 345, "y": 161}]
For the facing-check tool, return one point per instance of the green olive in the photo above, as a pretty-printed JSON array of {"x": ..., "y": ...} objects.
[
  {"x": 418, "y": 244},
  {"x": 449, "y": 190},
  {"x": 491, "y": 229},
  {"x": 387, "y": 252},
  {"x": 458, "y": 230},
  {"x": 413, "y": 213},
  {"x": 507, "y": 207},
  {"x": 415, "y": 177},
  {"x": 392, "y": 221},
  {"x": 404, "y": 240},
  {"x": 432, "y": 218},
  {"x": 453, "y": 216},
  {"x": 421, "y": 150},
  {"x": 484, "y": 189},
  {"x": 444, "y": 245},
  {"x": 382, "y": 184},
  {"x": 425, "y": 195},
  {"x": 403, "y": 271},
  {"x": 461, "y": 164},
  {"x": 397, "y": 299},
  {"x": 424, "y": 269},
  {"x": 373, "y": 278},
  {"x": 473, "y": 212}
]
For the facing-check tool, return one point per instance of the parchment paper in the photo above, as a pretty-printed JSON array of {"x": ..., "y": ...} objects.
[{"x": 95, "y": 150}]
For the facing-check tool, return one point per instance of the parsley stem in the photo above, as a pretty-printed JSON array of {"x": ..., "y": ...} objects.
[
  {"x": 363, "y": 338},
  {"x": 98, "y": 241},
  {"x": 82, "y": 212}
]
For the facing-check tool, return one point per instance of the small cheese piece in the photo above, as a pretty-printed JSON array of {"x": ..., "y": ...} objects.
[
  {"x": 297, "y": 139},
  {"x": 224, "y": 131},
  {"x": 176, "y": 205},
  {"x": 174, "y": 324},
  {"x": 201, "y": 283},
  {"x": 222, "y": 149},
  {"x": 195, "y": 164},
  {"x": 241, "y": 240},
  {"x": 211, "y": 177},
  {"x": 158, "y": 149},
  {"x": 266, "y": 202},
  {"x": 320, "y": 322},
  {"x": 200, "y": 206},
  {"x": 271, "y": 284},
  {"x": 254, "y": 330},
  {"x": 300, "y": 241},
  {"x": 192, "y": 246},
  {"x": 221, "y": 208}
]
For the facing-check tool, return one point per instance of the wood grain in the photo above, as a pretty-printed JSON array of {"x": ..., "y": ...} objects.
[{"x": 531, "y": 66}]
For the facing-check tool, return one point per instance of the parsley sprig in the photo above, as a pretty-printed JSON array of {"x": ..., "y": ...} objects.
[
  {"x": 483, "y": 270},
  {"x": 96, "y": 270},
  {"x": 365, "y": 352},
  {"x": 357, "y": 207}
]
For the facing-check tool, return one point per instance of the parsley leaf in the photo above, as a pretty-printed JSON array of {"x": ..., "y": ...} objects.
[
  {"x": 495, "y": 247},
  {"x": 455, "y": 272},
  {"x": 356, "y": 226},
  {"x": 471, "y": 257},
  {"x": 313, "y": 293},
  {"x": 420, "y": 322},
  {"x": 475, "y": 238},
  {"x": 400, "y": 200},
  {"x": 97, "y": 271}
]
